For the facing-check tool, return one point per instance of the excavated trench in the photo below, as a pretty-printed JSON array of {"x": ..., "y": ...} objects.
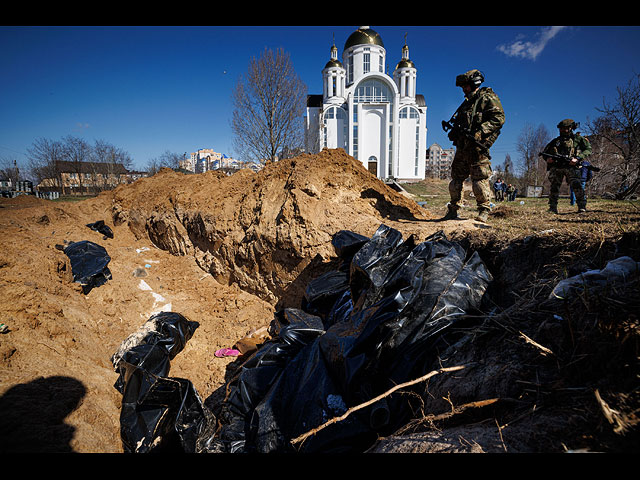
[
  {"x": 530, "y": 361},
  {"x": 537, "y": 373}
]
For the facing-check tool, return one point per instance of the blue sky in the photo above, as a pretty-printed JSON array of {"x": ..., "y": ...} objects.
[{"x": 149, "y": 89}]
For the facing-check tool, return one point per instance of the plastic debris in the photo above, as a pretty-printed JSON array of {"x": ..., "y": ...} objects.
[
  {"x": 158, "y": 410},
  {"x": 160, "y": 303},
  {"x": 373, "y": 323},
  {"x": 102, "y": 228},
  {"x": 618, "y": 270},
  {"x": 364, "y": 327},
  {"x": 88, "y": 264}
]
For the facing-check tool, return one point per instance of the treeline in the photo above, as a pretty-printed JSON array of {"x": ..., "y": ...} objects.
[
  {"x": 45, "y": 157},
  {"x": 93, "y": 165}
]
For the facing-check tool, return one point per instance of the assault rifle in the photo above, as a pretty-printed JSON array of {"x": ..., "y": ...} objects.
[
  {"x": 564, "y": 161},
  {"x": 466, "y": 133}
]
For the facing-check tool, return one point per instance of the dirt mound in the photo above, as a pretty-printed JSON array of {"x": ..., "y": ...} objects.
[
  {"x": 221, "y": 250},
  {"x": 227, "y": 252},
  {"x": 262, "y": 231}
]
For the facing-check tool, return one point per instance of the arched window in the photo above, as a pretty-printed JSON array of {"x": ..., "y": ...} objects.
[
  {"x": 336, "y": 116},
  {"x": 372, "y": 164},
  {"x": 412, "y": 114},
  {"x": 373, "y": 90}
]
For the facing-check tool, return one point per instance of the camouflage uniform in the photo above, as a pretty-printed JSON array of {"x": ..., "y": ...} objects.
[
  {"x": 482, "y": 115},
  {"x": 572, "y": 145}
]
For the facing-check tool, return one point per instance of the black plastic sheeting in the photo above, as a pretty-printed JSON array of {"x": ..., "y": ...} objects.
[
  {"x": 361, "y": 329},
  {"x": 102, "y": 228},
  {"x": 88, "y": 264},
  {"x": 159, "y": 412}
]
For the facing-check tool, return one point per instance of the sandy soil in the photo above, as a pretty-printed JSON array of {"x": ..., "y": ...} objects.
[
  {"x": 227, "y": 252},
  {"x": 202, "y": 243}
]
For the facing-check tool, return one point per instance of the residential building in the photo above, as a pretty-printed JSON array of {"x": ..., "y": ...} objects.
[
  {"x": 438, "y": 164},
  {"x": 206, "y": 159},
  {"x": 84, "y": 177}
]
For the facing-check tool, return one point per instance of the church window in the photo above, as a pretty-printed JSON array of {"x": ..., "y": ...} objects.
[
  {"x": 367, "y": 62},
  {"x": 372, "y": 90},
  {"x": 337, "y": 116},
  {"x": 355, "y": 141},
  {"x": 390, "y": 150},
  {"x": 417, "y": 147}
]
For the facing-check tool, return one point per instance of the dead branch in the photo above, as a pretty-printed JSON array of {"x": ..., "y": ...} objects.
[
  {"x": 313, "y": 431},
  {"x": 545, "y": 350},
  {"x": 613, "y": 416}
]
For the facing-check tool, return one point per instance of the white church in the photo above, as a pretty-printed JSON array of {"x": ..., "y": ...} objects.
[{"x": 378, "y": 120}]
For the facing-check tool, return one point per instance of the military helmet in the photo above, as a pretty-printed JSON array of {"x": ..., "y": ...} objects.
[
  {"x": 567, "y": 122},
  {"x": 473, "y": 77}
]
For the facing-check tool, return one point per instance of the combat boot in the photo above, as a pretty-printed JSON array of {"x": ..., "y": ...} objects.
[
  {"x": 452, "y": 213},
  {"x": 553, "y": 209},
  {"x": 483, "y": 215}
]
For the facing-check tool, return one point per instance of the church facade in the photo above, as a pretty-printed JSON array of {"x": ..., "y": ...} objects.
[{"x": 378, "y": 119}]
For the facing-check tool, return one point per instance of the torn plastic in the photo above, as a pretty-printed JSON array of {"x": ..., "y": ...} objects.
[
  {"x": 373, "y": 326},
  {"x": 88, "y": 264},
  {"x": 102, "y": 228},
  {"x": 372, "y": 323},
  {"x": 618, "y": 270},
  {"x": 159, "y": 412}
]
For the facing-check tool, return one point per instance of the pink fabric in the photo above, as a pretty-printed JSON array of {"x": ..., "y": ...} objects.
[{"x": 227, "y": 352}]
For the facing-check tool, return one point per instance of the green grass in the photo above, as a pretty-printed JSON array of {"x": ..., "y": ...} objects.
[{"x": 526, "y": 216}]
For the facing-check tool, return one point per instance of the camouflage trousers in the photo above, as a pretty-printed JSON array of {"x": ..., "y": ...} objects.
[
  {"x": 572, "y": 175},
  {"x": 469, "y": 162}
]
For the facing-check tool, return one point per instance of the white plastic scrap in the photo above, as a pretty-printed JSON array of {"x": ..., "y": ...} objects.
[
  {"x": 615, "y": 271},
  {"x": 160, "y": 304}
]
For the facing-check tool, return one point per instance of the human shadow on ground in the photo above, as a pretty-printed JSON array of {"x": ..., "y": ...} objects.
[
  {"x": 386, "y": 208},
  {"x": 33, "y": 414}
]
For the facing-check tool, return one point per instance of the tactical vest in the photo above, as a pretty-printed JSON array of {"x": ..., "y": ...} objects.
[{"x": 471, "y": 117}]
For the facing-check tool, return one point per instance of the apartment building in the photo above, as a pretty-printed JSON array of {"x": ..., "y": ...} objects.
[{"x": 438, "y": 163}]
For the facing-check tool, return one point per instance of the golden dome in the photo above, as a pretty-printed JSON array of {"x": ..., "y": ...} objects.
[{"x": 363, "y": 36}]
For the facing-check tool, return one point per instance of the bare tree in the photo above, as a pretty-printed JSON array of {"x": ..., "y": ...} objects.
[
  {"x": 9, "y": 169},
  {"x": 77, "y": 151},
  {"x": 529, "y": 144},
  {"x": 108, "y": 162},
  {"x": 269, "y": 106},
  {"x": 104, "y": 152},
  {"x": 167, "y": 159},
  {"x": 615, "y": 137},
  {"x": 43, "y": 157}
]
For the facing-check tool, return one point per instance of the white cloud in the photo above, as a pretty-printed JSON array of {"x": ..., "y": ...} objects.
[{"x": 530, "y": 49}]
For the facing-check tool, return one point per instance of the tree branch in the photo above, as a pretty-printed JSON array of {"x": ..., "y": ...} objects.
[{"x": 304, "y": 436}]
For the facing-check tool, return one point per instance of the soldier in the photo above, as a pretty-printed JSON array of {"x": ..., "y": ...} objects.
[
  {"x": 474, "y": 127},
  {"x": 576, "y": 148}
]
